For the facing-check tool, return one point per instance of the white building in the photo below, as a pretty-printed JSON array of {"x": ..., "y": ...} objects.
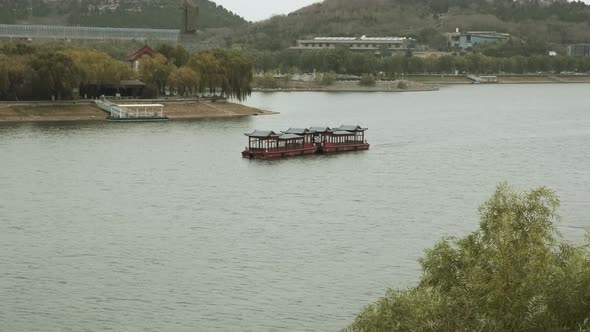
[{"x": 363, "y": 43}]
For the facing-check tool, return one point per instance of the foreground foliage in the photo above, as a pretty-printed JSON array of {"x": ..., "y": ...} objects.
[{"x": 510, "y": 275}]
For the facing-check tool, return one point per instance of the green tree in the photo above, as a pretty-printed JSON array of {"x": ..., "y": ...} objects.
[
  {"x": 184, "y": 81},
  {"x": 238, "y": 73},
  {"x": 228, "y": 71},
  {"x": 155, "y": 71},
  {"x": 210, "y": 71},
  {"x": 178, "y": 55},
  {"x": 15, "y": 76},
  {"x": 93, "y": 65},
  {"x": 98, "y": 68},
  {"x": 56, "y": 75},
  {"x": 510, "y": 275}
]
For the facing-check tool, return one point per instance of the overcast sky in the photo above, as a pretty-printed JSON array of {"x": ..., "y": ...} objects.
[{"x": 256, "y": 10}]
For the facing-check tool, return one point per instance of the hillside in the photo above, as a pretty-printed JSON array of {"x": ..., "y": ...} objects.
[
  {"x": 550, "y": 22},
  {"x": 163, "y": 14}
]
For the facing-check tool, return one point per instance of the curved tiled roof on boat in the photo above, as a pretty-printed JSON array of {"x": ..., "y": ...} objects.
[
  {"x": 263, "y": 134},
  {"x": 320, "y": 130},
  {"x": 350, "y": 128},
  {"x": 299, "y": 131}
]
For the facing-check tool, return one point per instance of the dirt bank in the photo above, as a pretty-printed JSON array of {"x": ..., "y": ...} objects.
[{"x": 86, "y": 111}]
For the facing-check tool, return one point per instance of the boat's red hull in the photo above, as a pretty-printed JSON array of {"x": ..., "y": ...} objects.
[
  {"x": 274, "y": 154},
  {"x": 343, "y": 148}
]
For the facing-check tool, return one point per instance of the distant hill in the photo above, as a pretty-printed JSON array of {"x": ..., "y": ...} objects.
[
  {"x": 157, "y": 14},
  {"x": 549, "y": 22}
]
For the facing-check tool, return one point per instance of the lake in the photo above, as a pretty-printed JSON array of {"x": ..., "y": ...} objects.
[{"x": 164, "y": 227}]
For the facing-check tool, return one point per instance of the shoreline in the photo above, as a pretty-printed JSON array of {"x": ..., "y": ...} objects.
[
  {"x": 369, "y": 89},
  {"x": 423, "y": 83},
  {"x": 85, "y": 110},
  {"x": 501, "y": 79},
  {"x": 346, "y": 86}
]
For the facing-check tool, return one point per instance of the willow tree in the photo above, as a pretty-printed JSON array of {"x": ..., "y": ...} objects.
[
  {"x": 239, "y": 76},
  {"x": 178, "y": 55},
  {"x": 98, "y": 68},
  {"x": 15, "y": 76},
  {"x": 210, "y": 70},
  {"x": 56, "y": 75},
  {"x": 227, "y": 71},
  {"x": 155, "y": 71},
  {"x": 510, "y": 275},
  {"x": 184, "y": 81}
]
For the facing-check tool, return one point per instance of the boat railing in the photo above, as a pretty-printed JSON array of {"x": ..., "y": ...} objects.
[
  {"x": 279, "y": 149},
  {"x": 348, "y": 142}
]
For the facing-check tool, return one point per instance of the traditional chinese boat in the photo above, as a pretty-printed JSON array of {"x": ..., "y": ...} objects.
[{"x": 304, "y": 141}]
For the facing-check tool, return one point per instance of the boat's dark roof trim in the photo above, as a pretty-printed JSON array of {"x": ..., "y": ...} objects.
[
  {"x": 341, "y": 132},
  {"x": 262, "y": 134},
  {"x": 299, "y": 131},
  {"x": 290, "y": 136},
  {"x": 350, "y": 128},
  {"x": 320, "y": 129}
]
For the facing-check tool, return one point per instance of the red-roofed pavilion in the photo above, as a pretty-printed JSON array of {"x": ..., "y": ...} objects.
[{"x": 133, "y": 59}]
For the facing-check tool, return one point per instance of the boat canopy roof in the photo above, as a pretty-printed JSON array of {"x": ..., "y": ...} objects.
[
  {"x": 350, "y": 128},
  {"x": 299, "y": 131},
  {"x": 320, "y": 129},
  {"x": 290, "y": 136},
  {"x": 341, "y": 132},
  {"x": 262, "y": 134}
]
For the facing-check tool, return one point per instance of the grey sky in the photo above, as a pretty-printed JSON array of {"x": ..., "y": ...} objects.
[{"x": 256, "y": 10}]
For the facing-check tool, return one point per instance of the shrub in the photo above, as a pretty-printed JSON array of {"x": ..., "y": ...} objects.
[
  {"x": 510, "y": 275},
  {"x": 268, "y": 81},
  {"x": 328, "y": 78},
  {"x": 402, "y": 85},
  {"x": 367, "y": 80}
]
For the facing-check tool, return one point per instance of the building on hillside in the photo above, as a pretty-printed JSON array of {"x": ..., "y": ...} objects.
[
  {"x": 54, "y": 32},
  {"x": 578, "y": 50},
  {"x": 468, "y": 39},
  {"x": 135, "y": 58},
  {"x": 363, "y": 43}
]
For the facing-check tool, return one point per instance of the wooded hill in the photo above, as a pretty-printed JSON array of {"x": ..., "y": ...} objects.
[
  {"x": 550, "y": 23},
  {"x": 156, "y": 14}
]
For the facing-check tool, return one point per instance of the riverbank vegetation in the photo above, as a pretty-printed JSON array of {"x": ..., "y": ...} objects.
[
  {"x": 343, "y": 61},
  {"x": 57, "y": 72},
  {"x": 512, "y": 274}
]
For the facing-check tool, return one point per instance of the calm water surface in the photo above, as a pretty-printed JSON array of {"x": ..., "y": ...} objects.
[{"x": 163, "y": 227}]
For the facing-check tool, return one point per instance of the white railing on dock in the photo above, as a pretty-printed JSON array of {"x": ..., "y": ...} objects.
[{"x": 113, "y": 109}]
